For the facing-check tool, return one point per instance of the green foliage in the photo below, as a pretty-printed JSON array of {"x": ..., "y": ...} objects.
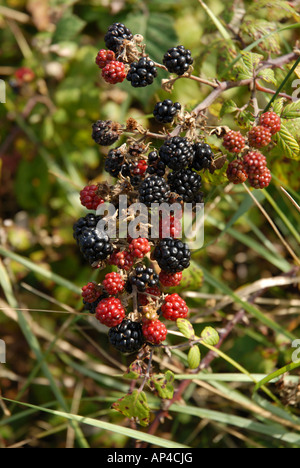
[{"x": 134, "y": 405}]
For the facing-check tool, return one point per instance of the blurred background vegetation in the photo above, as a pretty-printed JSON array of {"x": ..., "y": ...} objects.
[{"x": 47, "y": 156}]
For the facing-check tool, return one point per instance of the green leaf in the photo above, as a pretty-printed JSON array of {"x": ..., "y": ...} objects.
[
  {"x": 248, "y": 64},
  {"x": 287, "y": 143},
  {"x": 259, "y": 28},
  {"x": 67, "y": 28},
  {"x": 134, "y": 405},
  {"x": 163, "y": 384},
  {"x": 134, "y": 371},
  {"x": 278, "y": 106},
  {"x": 268, "y": 76},
  {"x": 291, "y": 111},
  {"x": 210, "y": 336},
  {"x": 186, "y": 328},
  {"x": 194, "y": 357},
  {"x": 228, "y": 107}
]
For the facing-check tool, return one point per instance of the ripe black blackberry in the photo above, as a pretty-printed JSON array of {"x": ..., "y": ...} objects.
[
  {"x": 144, "y": 277},
  {"x": 142, "y": 73},
  {"x": 90, "y": 221},
  {"x": 155, "y": 165},
  {"x": 178, "y": 60},
  {"x": 172, "y": 255},
  {"x": 177, "y": 152},
  {"x": 114, "y": 161},
  {"x": 94, "y": 246},
  {"x": 154, "y": 189},
  {"x": 203, "y": 156},
  {"x": 106, "y": 132},
  {"x": 115, "y": 36},
  {"x": 165, "y": 111},
  {"x": 186, "y": 183},
  {"x": 127, "y": 337}
]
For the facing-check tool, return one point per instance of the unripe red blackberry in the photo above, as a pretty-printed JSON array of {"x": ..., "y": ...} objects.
[
  {"x": 90, "y": 292},
  {"x": 170, "y": 226},
  {"x": 139, "y": 247},
  {"x": 114, "y": 72},
  {"x": 154, "y": 331},
  {"x": 254, "y": 161},
  {"x": 89, "y": 197},
  {"x": 113, "y": 283},
  {"x": 104, "y": 57},
  {"x": 123, "y": 260},
  {"x": 110, "y": 312},
  {"x": 236, "y": 172},
  {"x": 260, "y": 180},
  {"x": 174, "y": 307},
  {"x": 170, "y": 279},
  {"x": 259, "y": 136},
  {"x": 271, "y": 120},
  {"x": 234, "y": 141}
]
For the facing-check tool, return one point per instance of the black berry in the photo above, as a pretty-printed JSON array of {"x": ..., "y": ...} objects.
[
  {"x": 154, "y": 189},
  {"x": 144, "y": 277},
  {"x": 178, "y": 60},
  {"x": 203, "y": 156},
  {"x": 165, "y": 111},
  {"x": 115, "y": 36},
  {"x": 105, "y": 132},
  {"x": 114, "y": 161},
  {"x": 185, "y": 183},
  {"x": 176, "y": 152},
  {"x": 94, "y": 246},
  {"x": 90, "y": 221},
  {"x": 142, "y": 73},
  {"x": 172, "y": 255},
  {"x": 127, "y": 337}
]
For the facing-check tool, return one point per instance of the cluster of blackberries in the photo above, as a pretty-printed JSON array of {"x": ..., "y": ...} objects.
[
  {"x": 131, "y": 301},
  {"x": 253, "y": 165},
  {"x": 141, "y": 72}
]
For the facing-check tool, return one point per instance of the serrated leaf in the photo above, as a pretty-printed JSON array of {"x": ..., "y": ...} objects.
[
  {"x": 291, "y": 111},
  {"x": 228, "y": 107},
  {"x": 194, "y": 357},
  {"x": 278, "y": 106},
  {"x": 248, "y": 64},
  {"x": 287, "y": 143},
  {"x": 134, "y": 405},
  {"x": 275, "y": 9},
  {"x": 67, "y": 28},
  {"x": 268, "y": 76},
  {"x": 210, "y": 336},
  {"x": 258, "y": 28},
  {"x": 186, "y": 328},
  {"x": 163, "y": 384}
]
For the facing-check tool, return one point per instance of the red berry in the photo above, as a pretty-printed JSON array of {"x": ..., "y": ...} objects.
[
  {"x": 114, "y": 72},
  {"x": 169, "y": 226},
  {"x": 113, "y": 283},
  {"x": 236, "y": 172},
  {"x": 174, "y": 307},
  {"x": 143, "y": 297},
  {"x": 139, "y": 167},
  {"x": 104, "y": 57},
  {"x": 139, "y": 247},
  {"x": 254, "y": 161},
  {"x": 260, "y": 180},
  {"x": 154, "y": 331},
  {"x": 234, "y": 141},
  {"x": 91, "y": 292},
  {"x": 110, "y": 312},
  {"x": 170, "y": 279},
  {"x": 259, "y": 136},
  {"x": 24, "y": 75},
  {"x": 272, "y": 121},
  {"x": 89, "y": 197},
  {"x": 123, "y": 260}
]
